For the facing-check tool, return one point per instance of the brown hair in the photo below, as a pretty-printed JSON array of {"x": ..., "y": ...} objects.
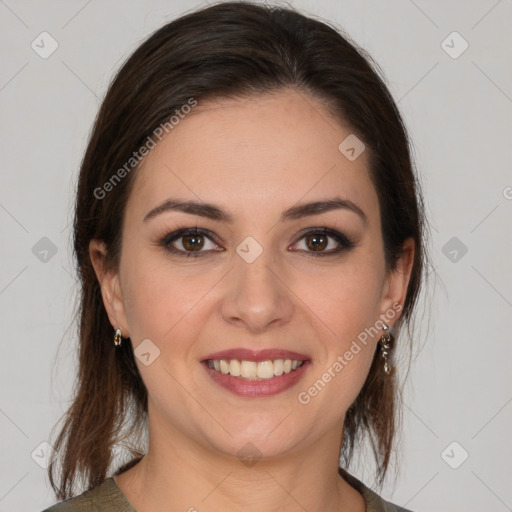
[{"x": 231, "y": 49}]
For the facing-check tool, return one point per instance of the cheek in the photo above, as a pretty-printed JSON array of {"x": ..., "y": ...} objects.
[
  {"x": 347, "y": 301},
  {"x": 349, "y": 309},
  {"x": 346, "y": 297},
  {"x": 161, "y": 299},
  {"x": 154, "y": 305}
]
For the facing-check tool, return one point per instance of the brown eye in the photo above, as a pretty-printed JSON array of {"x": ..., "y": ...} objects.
[
  {"x": 317, "y": 242},
  {"x": 189, "y": 242},
  {"x": 324, "y": 242},
  {"x": 192, "y": 242}
]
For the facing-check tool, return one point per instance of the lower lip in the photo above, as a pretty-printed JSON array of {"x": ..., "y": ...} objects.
[{"x": 257, "y": 388}]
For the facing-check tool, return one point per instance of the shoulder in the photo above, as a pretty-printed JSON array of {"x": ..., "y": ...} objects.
[
  {"x": 106, "y": 497},
  {"x": 374, "y": 503}
]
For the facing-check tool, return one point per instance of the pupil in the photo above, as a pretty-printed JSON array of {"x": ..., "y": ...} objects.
[
  {"x": 319, "y": 242},
  {"x": 192, "y": 242}
]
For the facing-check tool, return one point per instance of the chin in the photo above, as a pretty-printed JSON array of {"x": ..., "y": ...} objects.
[{"x": 260, "y": 436}]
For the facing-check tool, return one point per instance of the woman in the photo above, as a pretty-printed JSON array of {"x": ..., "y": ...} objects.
[{"x": 248, "y": 232}]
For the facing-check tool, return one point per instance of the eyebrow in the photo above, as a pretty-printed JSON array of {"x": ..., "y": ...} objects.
[{"x": 213, "y": 212}]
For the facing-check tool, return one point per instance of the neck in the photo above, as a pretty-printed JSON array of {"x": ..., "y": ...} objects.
[{"x": 178, "y": 473}]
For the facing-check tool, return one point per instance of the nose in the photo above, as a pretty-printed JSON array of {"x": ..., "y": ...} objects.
[{"x": 257, "y": 297}]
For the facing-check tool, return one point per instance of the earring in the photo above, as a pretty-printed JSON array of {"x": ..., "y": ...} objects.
[
  {"x": 386, "y": 342},
  {"x": 117, "y": 338}
]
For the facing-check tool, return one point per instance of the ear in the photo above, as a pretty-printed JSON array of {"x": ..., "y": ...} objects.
[
  {"x": 397, "y": 281},
  {"x": 111, "y": 291}
]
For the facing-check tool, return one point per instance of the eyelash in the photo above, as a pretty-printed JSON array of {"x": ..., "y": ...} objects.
[{"x": 345, "y": 242}]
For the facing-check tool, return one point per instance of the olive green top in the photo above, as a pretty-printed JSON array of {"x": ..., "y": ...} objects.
[{"x": 107, "y": 497}]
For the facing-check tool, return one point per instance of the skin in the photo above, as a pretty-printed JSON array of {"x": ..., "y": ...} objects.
[{"x": 253, "y": 158}]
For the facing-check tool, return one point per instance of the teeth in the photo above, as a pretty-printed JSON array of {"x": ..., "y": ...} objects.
[
  {"x": 278, "y": 367},
  {"x": 252, "y": 370},
  {"x": 248, "y": 370},
  {"x": 224, "y": 366},
  {"x": 234, "y": 368},
  {"x": 265, "y": 370}
]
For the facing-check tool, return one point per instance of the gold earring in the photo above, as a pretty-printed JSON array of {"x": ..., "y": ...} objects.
[
  {"x": 386, "y": 342},
  {"x": 117, "y": 338}
]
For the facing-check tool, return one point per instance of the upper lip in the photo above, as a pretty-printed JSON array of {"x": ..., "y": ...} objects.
[{"x": 246, "y": 354}]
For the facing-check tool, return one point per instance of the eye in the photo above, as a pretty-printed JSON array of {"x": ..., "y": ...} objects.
[
  {"x": 196, "y": 242},
  {"x": 189, "y": 242},
  {"x": 324, "y": 242}
]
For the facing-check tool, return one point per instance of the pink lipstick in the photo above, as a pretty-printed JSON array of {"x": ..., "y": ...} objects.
[{"x": 256, "y": 373}]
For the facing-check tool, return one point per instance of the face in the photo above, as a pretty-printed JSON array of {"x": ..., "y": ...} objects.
[{"x": 258, "y": 279}]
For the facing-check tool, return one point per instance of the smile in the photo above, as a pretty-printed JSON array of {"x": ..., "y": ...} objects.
[{"x": 252, "y": 370}]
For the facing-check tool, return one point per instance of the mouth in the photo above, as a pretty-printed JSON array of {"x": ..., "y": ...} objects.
[
  {"x": 253, "y": 374},
  {"x": 252, "y": 370}
]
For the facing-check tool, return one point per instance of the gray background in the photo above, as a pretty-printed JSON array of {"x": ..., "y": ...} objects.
[{"x": 458, "y": 111}]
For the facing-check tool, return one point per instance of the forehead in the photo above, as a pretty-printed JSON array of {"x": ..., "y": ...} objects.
[{"x": 264, "y": 152}]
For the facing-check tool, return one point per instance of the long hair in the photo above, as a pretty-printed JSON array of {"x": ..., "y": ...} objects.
[{"x": 228, "y": 50}]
